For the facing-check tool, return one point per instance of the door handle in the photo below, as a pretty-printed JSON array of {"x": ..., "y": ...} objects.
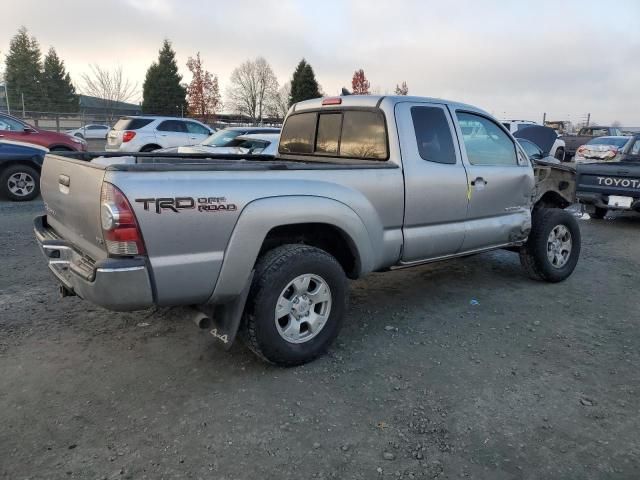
[{"x": 479, "y": 181}]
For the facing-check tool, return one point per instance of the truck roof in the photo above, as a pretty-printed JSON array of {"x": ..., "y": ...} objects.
[{"x": 377, "y": 100}]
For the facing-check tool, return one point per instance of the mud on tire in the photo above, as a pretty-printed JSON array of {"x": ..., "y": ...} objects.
[{"x": 553, "y": 248}]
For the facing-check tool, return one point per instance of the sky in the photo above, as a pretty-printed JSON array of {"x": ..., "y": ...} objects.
[{"x": 515, "y": 59}]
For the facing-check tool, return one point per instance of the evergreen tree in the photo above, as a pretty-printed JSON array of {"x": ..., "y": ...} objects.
[
  {"x": 304, "y": 85},
  {"x": 162, "y": 93},
  {"x": 59, "y": 92},
  {"x": 23, "y": 72}
]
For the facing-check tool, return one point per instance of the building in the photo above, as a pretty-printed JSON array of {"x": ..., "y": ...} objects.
[{"x": 94, "y": 106}]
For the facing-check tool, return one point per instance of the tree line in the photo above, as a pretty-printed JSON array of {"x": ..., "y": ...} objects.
[{"x": 254, "y": 91}]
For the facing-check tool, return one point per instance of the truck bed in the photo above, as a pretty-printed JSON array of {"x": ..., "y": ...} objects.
[{"x": 158, "y": 162}]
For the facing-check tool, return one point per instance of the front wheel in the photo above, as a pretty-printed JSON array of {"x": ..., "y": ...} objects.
[
  {"x": 296, "y": 304},
  {"x": 553, "y": 248},
  {"x": 560, "y": 154},
  {"x": 20, "y": 183}
]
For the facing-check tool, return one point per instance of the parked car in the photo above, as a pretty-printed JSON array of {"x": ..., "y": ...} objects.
[
  {"x": 254, "y": 144},
  {"x": 609, "y": 175},
  {"x": 360, "y": 184},
  {"x": 90, "y": 131},
  {"x": 609, "y": 149},
  {"x": 222, "y": 138},
  {"x": 573, "y": 142},
  {"x": 12, "y": 128},
  {"x": 147, "y": 133},
  {"x": 557, "y": 149},
  {"x": 538, "y": 141},
  {"x": 20, "y": 166}
]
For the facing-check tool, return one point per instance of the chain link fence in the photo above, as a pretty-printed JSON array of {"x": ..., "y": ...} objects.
[{"x": 60, "y": 122}]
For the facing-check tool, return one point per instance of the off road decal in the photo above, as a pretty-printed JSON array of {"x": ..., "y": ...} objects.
[{"x": 175, "y": 204}]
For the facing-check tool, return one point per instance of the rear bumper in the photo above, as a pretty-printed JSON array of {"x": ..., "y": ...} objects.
[
  {"x": 115, "y": 284},
  {"x": 601, "y": 200}
]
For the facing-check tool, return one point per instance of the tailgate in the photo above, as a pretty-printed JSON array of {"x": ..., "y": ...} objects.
[
  {"x": 609, "y": 179},
  {"x": 71, "y": 192}
]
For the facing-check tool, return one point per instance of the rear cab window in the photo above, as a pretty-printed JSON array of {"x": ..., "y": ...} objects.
[
  {"x": 131, "y": 123},
  {"x": 340, "y": 133}
]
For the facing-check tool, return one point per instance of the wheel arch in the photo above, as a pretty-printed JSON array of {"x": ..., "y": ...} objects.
[
  {"x": 148, "y": 147},
  {"x": 266, "y": 223},
  {"x": 23, "y": 161},
  {"x": 552, "y": 199}
]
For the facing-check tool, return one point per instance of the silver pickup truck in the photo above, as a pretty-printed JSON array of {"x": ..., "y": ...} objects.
[{"x": 263, "y": 246}]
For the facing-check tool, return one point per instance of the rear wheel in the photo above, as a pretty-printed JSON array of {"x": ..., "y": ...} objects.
[
  {"x": 553, "y": 248},
  {"x": 20, "y": 183},
  {"x": 598, "y": 213},
  {"x": 560, "y": 154},
  {"x": 296, "y": 304}
]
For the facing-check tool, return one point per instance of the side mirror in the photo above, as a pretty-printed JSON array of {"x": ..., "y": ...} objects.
[{"x": 29, "y": 130}]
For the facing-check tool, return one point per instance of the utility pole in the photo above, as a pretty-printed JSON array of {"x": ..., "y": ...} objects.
[
  {"x": 6, "y": 95},
  {"x": 588, "y": 119},
  {"x": 544, "y": 119},
  {"x": 23, "y": 112}
]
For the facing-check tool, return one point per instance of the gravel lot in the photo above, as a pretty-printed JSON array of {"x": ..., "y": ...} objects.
[{"x": 535, "y": 381}]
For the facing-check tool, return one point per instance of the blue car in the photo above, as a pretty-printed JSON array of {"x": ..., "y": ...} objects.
[{"x": 20, "y": 165}]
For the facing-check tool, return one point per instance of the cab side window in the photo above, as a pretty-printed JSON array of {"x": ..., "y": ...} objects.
[
  {"x": 485, "y": 142},
  {"x": 635, "y": 150},
  {"x": 435, "y": 143}
]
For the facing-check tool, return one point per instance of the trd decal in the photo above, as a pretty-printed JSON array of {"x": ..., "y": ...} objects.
[{"x": 201, "y": 204}]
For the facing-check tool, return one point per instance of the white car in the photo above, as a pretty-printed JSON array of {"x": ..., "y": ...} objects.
[
  {"x": 148, "y": 133},
  {"x": 557, "y": 150},
  {"x": 253, "y": 144},
  {"x": 90, "y": 131}
]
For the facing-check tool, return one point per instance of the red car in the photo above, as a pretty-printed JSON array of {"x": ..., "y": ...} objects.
[{"x": 13, "y": 129}]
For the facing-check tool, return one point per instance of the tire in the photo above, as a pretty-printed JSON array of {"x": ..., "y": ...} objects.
[
  {"x": 598, "y": 213},
  {"x": 20, "y": 183},
  {"x": 272, "y": 285},
  {"x": 560, "y": 154},
  {"x": 535, "y": 254},
  {"x": 149, "y": 148}
]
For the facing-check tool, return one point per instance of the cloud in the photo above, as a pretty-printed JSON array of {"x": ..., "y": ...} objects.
[{"x": 515, "y": 59}]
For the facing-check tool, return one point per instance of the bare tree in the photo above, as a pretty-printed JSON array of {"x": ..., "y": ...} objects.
[
  {"x": 253, "y": 87},
  {"x": 279, "y": 105},
  {"x": 109, "y": 86}
]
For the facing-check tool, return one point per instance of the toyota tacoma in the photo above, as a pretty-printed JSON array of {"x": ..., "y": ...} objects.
[{"x": 263, "y": 246}]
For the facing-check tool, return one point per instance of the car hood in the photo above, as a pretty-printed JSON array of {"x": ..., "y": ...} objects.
[{"x": 543, "y": 137}]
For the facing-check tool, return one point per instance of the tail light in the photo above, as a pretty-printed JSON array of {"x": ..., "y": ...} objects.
[
  {"x": 127, "y": 136},
  {"x": 119, "y": 226},
  {"x": 611, "y": 153}
]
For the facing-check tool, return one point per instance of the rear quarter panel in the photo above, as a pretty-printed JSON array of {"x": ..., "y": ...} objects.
[{"x": 187, "y": 248}]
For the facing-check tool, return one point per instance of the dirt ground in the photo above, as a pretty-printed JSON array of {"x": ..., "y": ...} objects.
[{"x": 534, "y": 381}]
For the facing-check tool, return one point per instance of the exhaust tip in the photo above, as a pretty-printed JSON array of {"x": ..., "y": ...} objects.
[{"x": 202, "y": 320}]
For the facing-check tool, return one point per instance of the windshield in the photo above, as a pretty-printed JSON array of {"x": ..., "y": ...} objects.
[
  {"x": 616, "y": 142},
  {"x": 222, "y": 138}
]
